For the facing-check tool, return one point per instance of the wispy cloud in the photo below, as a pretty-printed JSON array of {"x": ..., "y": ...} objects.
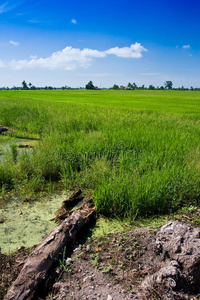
[
  {"x": 14, "y": 43},
  {"x": 186, "y": 47},
  {"x": 73, "y": 21},
  {"x": 40, "y": 22},
  {"x": 72, "y": 58},
  {"x": 150, "y": 74},
  {"x": 9, "y": 5},
  {"x": 3, "y": 7}
]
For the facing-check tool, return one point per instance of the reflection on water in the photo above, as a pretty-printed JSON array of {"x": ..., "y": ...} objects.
[{"x": 22, "y": 145}]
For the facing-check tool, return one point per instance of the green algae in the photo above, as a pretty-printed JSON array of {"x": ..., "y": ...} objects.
[
  {"x": 106, "y": 226},
  {"x": 26, "y": 224}
]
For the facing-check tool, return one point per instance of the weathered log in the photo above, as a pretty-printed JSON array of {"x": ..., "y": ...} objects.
[
  {"x": 63, "y": 212},
  {"x": 3, "y": 129},
  {"x": 75, "y": 194},
  {"x": 72, "y": 201},
  {"x": 42, "y": 258},
  {"x": 25, "y": 146}
]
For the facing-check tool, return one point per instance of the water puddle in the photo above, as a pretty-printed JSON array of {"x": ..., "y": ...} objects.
[
  {"x": 21, "y": 144},
  {"x": 26, "y": 224}
]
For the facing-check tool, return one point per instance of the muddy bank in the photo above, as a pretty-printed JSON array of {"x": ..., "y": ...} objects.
[
  {"x": 144, "y": 263},
  {"x": 139, "y": 264}
]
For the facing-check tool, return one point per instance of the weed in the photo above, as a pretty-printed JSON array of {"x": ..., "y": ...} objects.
[
  {"x": 69, "y": 271},
  {"x": 62, "y": 261},
  {"x": 3, "y": 191},
  {"x": 50, "y": 186},
  {"x": 197, "y": 220},
  {"x": 111, "y": 262},
  {"x": 78, "y": 255},
  {"x": 107, "y": 269},
  {"x": 95, "y": 259},
  {"x": 14, "y": 153}
]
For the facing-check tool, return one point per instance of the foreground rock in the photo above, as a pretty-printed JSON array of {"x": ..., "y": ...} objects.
[{"x": 176, "y": 248}]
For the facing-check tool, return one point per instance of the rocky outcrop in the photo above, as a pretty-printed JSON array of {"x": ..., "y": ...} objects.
[{"x": 176, "y": 253}]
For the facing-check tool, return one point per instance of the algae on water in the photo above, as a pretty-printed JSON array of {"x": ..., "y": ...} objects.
[{"x": 26, "y": 224}]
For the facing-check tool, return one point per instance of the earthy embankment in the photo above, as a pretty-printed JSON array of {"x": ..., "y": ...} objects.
[{"x": 141, "y": 264}]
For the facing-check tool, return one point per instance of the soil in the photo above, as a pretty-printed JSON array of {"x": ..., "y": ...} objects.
[
  {"x": 10, "y": 266},
  {"x": 113, "y": 266}
]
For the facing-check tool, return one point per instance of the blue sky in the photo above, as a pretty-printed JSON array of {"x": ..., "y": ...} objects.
[{"x": 109, "y": 42}]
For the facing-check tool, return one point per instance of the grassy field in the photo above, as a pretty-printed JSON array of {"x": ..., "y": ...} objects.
[{"x": 138, "y": 151}]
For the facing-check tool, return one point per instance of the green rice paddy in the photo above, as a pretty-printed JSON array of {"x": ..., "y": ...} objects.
[{"x": 137, "y": 151}]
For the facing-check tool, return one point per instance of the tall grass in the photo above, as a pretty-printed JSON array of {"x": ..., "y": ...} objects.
[{"x": 138, "y": 151}]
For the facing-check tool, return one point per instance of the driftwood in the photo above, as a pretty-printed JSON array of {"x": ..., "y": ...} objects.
[
  {"x": 63, "y": 212},
  {"x": 42, "y": 258},
  {"x": 73, "y": 199},
  {"x": 75, "y": 194},
  {"x": 25, "y": 146},
  {"x": 3, "y": 129}
]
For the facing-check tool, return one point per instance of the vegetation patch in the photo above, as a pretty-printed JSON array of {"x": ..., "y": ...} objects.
[{"x": 137, "y": 150}]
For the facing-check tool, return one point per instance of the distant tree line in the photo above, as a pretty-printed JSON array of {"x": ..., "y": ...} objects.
[
  {"x": 30, "y": 86},
  {"x": 168, "y": 85}
]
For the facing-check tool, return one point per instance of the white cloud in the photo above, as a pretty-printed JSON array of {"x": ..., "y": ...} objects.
[
  {"x": 134, "y": 51},
  {"x": 67, "y": 59},
  {"x": 14, "y": 43},
  {"x": 2, "y": 65},
  {"x": 72, "y": 58},
  {"x": 186, "y": 47},
  {"x": 73, "y": 21}
]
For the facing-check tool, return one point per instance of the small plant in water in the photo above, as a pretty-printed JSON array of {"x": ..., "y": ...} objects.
[
  {"x": 50, "y": 187},
  {"x": 3, "y": 191},
  {"x": 14, "y": 153}
]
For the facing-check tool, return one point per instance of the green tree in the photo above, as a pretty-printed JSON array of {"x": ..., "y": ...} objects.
[
  {"x": 115, "y": 87},
  {"x": 135, "y": 87},
  {"x": 130, "y": 85},
  {"x": 168, "y": 84},
  {"x": 24, "y": 85},
  {"x": 89, "y": 86},
  {"x": 151, "y": 87}
]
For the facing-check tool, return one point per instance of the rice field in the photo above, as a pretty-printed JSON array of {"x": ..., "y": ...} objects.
[{"x": 137, "y": 151}]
